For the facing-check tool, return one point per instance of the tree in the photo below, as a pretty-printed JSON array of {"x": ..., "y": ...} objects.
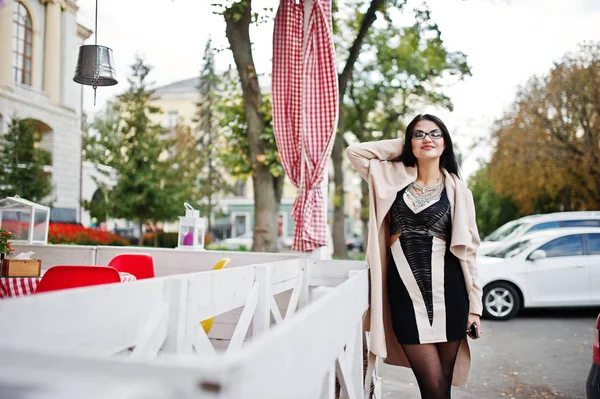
[
  {"x": 211, "y": 179},
  {"x": 268, "y": 188},
  {"x": 97, "y": 206},
  {"x": 547, "y": 147},
  {"x": 400, "y": 69},
  {"x": 22, "y": 172},
  {"x": 235, "y": 154},
  {"x": 364, "y": 22},
  {"x": 493, "y": 210},
  {"x": 150, "y": 185}
]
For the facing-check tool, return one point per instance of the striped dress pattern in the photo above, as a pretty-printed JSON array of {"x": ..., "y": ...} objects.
[{"x": 425, "y": 284}]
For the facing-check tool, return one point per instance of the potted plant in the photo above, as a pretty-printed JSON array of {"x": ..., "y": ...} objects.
[{"x": 5, "y": 249}]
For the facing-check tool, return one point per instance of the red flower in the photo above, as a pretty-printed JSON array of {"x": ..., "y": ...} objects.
[{"x": 63, "y": 233}]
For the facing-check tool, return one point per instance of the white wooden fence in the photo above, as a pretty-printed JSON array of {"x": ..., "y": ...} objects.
[
  {"x": 167, "y": 261},
  {"x": 144, "y": 340}
]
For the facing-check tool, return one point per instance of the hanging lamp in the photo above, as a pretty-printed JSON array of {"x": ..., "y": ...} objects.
[{"x": 95, "y": 66}]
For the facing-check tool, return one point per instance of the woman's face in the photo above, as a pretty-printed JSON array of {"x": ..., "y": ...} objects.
[{"x": 427, "y": 147}]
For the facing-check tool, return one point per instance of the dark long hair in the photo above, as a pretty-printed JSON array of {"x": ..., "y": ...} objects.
[{"x": 447, "y": 160}]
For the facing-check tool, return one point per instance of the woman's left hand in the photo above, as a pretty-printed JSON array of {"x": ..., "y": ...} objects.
[{"x": 474, "y": 318}]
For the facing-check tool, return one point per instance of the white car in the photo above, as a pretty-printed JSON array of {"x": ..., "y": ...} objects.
[
  {"x": 529, "y": 224},
  {"x": 245, "y": 240},
  {"x": 550, "y": 268}
]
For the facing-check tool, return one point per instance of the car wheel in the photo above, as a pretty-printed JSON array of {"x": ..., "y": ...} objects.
[{"x": 501, "y": 301}]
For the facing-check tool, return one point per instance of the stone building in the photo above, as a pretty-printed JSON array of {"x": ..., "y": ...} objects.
[{"x": 39, "y": 43}]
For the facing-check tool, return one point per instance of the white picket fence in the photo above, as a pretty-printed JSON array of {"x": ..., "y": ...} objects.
[{"x": 144, "y": 339}]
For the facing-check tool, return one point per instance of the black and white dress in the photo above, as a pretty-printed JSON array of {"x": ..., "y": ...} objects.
[{"x": 426, "y": 288}]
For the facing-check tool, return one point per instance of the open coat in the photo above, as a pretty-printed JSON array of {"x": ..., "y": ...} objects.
[{"x": 373, "y": 162}]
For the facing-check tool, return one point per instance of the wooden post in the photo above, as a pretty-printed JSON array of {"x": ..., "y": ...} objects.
[
  {"x": 176, "y": 291},
  {"x": 262, "y": 316}
]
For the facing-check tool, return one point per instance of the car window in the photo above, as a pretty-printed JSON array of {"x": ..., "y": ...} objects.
[
  {"x": 581, "y": 223},
  {"x": 504, "y": 231},
  {"x": 544, "y": 226},
  {"x": 594, "y": 244},
  {"x": 512, "y": 249},
  {"x": 564, "y": 246}
]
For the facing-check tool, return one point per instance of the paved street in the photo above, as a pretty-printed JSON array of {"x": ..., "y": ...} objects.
[{"x": 539, "y": 354}]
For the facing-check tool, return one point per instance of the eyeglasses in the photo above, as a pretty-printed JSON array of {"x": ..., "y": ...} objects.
[{"x": 434, "y": 135}]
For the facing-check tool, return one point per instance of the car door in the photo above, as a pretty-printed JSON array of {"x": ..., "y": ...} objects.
[
  {"x": 562, "y": 278},
  {"x": 593, "y": 251}
]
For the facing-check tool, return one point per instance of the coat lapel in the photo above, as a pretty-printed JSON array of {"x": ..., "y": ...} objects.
[
  {"x": 461, "y": 236},
  {"x": 390, "y": 178}
]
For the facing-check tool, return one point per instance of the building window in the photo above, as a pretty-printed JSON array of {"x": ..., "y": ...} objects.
[
  {"x": 241, "y": 224},
  {"x": 22, "y": 43},
  {"x": 172, "y": 118},
  {"x": 240, "y": 188}
]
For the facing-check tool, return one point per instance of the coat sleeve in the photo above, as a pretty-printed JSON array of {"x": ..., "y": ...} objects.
[
  {"x": 476, "y": 294},
  {"x": 360, "y": 154}
]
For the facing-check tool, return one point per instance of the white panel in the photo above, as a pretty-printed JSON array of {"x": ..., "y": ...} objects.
[
  {"x": 245, "y": 319},
  {"x": 213, "y": 293},
  {"x": 153, "y": 334},
  {"x": 291, "y": 360},
  {"x": 101, "y": 319},
  {"x": 307, "y": 344}
]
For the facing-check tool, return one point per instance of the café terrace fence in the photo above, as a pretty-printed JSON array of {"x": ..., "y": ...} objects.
[{"x": 298, "y": 326}]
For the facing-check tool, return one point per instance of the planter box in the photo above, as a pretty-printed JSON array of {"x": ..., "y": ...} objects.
[{"x": 21, "y": 267}]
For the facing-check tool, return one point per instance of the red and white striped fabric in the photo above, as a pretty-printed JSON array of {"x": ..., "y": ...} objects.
[
  {"x": 11, "y": 287},
  {"x": 305, "y": 110}
]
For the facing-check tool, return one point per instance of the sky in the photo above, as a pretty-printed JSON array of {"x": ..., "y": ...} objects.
[{"x": 506, "y": 42}]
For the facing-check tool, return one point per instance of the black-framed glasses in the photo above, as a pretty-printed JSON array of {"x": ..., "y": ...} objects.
[{"x": 434, "y": 135}]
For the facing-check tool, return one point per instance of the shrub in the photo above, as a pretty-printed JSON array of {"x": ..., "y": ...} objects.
[
  {"x": 168, "y": 240},
  {"x": 165, "y": 240},
  {"x": 65, "y": 233}
]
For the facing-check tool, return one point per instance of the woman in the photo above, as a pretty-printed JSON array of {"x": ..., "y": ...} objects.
[{"x": 421, "y": 254}]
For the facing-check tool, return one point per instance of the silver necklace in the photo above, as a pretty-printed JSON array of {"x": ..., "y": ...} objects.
[
  {"x": 427, "y": 189},
  {"x": 421, "y": 196}
]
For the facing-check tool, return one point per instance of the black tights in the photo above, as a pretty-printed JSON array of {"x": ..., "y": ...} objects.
[{"x": 433, "y": 365}]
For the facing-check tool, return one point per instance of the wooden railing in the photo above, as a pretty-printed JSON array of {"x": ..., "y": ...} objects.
[
  {"x": 167, "y": 261},
  {"x": 144, "y": 339}
]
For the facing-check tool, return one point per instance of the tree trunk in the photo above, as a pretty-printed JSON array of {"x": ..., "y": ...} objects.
[
  {"x": 209, "y": 215},
  {"x": 141, "y": 240},
  {"x": 339, "y": 197},
  {"x": 266, "y": 197},
  {"x": 337, "y": 154},
  {"x": 212, "y": 188}
]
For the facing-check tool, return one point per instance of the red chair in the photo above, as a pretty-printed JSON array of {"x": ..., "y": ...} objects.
[
  {"x": 64, "y": 277},
  {"x": 140, "y": 265}
]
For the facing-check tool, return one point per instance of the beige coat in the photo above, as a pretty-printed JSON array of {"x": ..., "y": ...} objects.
[{"x": 386, "y": 178}]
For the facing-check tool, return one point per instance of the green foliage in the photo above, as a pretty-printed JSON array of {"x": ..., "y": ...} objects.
[
  {"x": 236, "y": 154},
  {"x": 22, "y": 162},
  {"x": 217, "y": 247},
  {"x": 151, "y": 185},
  {"x": 235, "y": 9},
  {"x": 98, "y": 206},
  {"x": 400, "y": 69},
  {"x": 211, "y": 178},
  {"x": 165, "y": 240},
  {"x": 492, "y": 210}
]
